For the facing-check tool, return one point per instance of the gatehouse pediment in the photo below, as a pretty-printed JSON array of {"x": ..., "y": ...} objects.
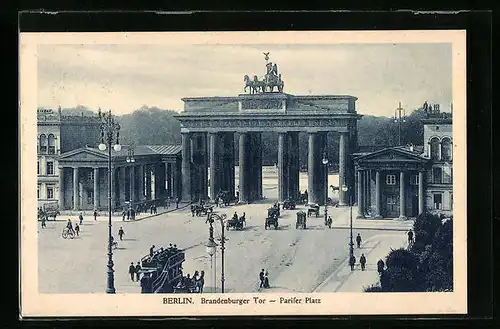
[
  {"x": 83, "y": 154},
  {"x": 391, "y": 155}
]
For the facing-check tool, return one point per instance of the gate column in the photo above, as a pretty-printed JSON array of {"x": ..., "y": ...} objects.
[
  {"x": 293, "y": 171},
  {"x": 214, "y": 165},
  {"x": 186, "y": 167},
  {"x": 244, "y": 157},
  {"x": 283, "y": 177},
  {"x": 343, "y": 154}
]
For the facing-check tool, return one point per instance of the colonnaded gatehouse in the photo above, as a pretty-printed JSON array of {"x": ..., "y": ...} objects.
[{"x": 209, "y": 125}]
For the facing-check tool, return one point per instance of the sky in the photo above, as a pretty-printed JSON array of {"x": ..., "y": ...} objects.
[{"x": 125, "y": 77}]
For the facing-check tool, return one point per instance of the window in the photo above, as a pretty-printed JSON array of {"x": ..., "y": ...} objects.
[
  {"x": 50, "y": 168},
  {"x": 390, "y": 179},
  {"x": 434, "y": 145},
  {"x": 437, "y": 175},
  {"x": 414, "y": 180},
  {"x": 451, "y": 201},
  {"x": 391, "y": 200},
  {"x": 91, "y": 175},
  {"x": 38, "y": 192},
  {"x": 43, "y": 143},
  {"x": 447, "y": 177},
  {"x": 38, "y": 167},
  {"x": 90, "y": 196},
  {"x": 446, "y": 149},
  {"x": 438, "y": 200},
  {"x": 50, "y": 192},
  {"x": 52, "y": 144}
]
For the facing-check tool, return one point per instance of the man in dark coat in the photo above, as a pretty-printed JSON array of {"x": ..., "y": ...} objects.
[
  {"x": 121, "y": 233},
  {"x": 131, "y": 271},
  {"x": 137, "y": 271},
  {"x": 261, "y": 277},
  {"x": 352, "y": 262},
  {"x": 95, "y": 214},
  {"x": 380, "y": 266},
  {"x": 81, "y": 218},
  {"x": 358, "y": 240},
  {"x": 146, "y": 284},
  {"x": 362, "y": 261},
  {"x": 410, "y": 237}
]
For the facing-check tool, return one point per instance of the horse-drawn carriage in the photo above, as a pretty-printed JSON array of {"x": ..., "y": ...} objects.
[
  {"x": 301, "y": 220},
  {"x": 289, "y": 204},
  {"x": 271, "y": 222},
  {"x": 313, "y": 210},
  {"x": 201, "y": 210},
  {"x": 236, "y": 222},
  {"x": 162, "y": 271},
  {"x": 225, "y": 198},
  {"x": 303, "y": 198},
  {"x": 274, "y": 211}
]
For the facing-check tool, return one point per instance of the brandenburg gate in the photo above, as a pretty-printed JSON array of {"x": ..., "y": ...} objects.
[{"x": 209, "y": 125}]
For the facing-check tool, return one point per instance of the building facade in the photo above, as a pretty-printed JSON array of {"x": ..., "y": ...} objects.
[
  {"x": 153, "y": 175},
  {"x": 56, "y": 134},
  {"x": 404, "y": 181}
]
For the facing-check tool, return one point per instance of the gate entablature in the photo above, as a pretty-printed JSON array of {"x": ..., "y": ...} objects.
[{"x": 269, "y": 111}]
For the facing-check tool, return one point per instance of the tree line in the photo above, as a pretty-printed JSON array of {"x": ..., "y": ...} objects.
[
  {"x": 425, "y": 266},
  {"x": 152, "y": 125}
]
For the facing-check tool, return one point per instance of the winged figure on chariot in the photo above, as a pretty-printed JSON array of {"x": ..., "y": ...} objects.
[{"x": 271, "y": 80}]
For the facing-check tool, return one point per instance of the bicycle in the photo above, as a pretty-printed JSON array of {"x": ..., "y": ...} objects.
[{"x": 67, "y": 233}]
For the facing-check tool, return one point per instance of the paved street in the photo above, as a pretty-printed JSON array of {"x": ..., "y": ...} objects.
[{"x": 297, "y": 260}]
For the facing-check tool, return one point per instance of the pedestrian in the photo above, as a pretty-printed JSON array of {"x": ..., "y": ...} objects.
[
  {"x": 128, "y": 214},
  {"x": 146, "y": 284},
  {"x": 201, "y": 282},
  {"x": 177, "y": 203},
  {"x": 77, "y": 229},
  {"x": 329, "y": 222},
  {"x": 69, "y": 226},
  {"x": 410, "y": 238},
  {"x": 151, "y": 250},
  {"x": 358, "y": 240},
  {"x": 352, "y": 262},
  {"x": 261, "y": 277},
  {"x": 151, "y": 209},
  {"x": 362, "y": 261},
  {"x": 137, "y": 271},
  {"x": 131, "y": 270},
  {"x": 155, "y": 209},
  {"x": 121, "y": 233},
  {"x": 95, "y": 214},
  {"x": 132, "y": 214},
  {"x": 81, "y": 218},
  {"x": 266, "y": 280},
  {"x": 43, "y": 221},
  {"x": 380, "y": 266},
  {"x": 123, "y": 215}
]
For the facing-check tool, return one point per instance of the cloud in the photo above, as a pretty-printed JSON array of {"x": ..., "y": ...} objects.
[{"x": 125, "y": 77}]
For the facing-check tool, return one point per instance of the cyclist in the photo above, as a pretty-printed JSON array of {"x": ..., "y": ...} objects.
[{"x": 69, "y": 226}]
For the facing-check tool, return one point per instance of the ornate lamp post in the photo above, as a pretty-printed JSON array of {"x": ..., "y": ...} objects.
[
  {"x": 325, "y": 162},
  {"x": 109, "y": 128},
  {"x": 210, "y": 219},
  {"x": 211, "y": 245},
  {"x": 351, "y": 242},
  {"x": 130, "y": 159},
  {"x": 398, "y": 118}
]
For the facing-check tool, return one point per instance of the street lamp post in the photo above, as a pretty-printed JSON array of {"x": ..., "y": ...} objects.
[
  {"x": 351, "y": 242},
  {"x": 211, "y": 246},
  {"x": 211, "y": 217},
  {"x": 325, "y": 162},
  {"x": 109, "y": 128},
  {"x": 398, "y": 118},
  {"x": 130, "y": 159}
]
